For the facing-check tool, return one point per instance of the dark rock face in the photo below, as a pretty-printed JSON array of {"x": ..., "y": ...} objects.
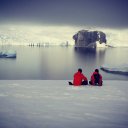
[{"x": 86, "y": 38}]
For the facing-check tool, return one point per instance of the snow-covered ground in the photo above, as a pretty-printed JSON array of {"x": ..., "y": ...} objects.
[{"x": 55, "y": 104}]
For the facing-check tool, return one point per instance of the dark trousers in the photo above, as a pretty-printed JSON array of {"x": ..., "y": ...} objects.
[
  {"x": 96, "y": 84},
  {"x": 83, "y": 83}
]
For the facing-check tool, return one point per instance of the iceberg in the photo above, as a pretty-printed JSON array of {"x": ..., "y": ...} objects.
[
  {"x": 87, "y": 38},
  {"x": 121, "y": 69},
  {"x": 8, "y": 54}
]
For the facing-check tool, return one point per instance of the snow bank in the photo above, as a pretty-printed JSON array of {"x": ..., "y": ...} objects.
[
  {"x": 55, "y": 104},
  {"x": 122, "y": 69}
]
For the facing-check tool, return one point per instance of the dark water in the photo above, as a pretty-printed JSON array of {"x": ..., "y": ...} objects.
[{"x": 60, "y": 63}]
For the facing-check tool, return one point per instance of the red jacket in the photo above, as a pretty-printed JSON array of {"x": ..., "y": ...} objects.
[
  {"x": 78, "y": 77},
  {"x": 93, "y": 79}
]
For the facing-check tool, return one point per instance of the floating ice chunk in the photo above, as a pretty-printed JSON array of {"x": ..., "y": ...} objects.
[
  {"x": 121, "y": 69},
  {"x": 8, "y": 54}
]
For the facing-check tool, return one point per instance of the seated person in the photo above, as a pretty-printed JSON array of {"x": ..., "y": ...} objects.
[
  {"x": 79, "y": 79},
  {"x": 96, "y": 78}
]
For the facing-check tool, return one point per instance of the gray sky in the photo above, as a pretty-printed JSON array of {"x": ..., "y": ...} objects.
[{"x": 101, "y": 13}]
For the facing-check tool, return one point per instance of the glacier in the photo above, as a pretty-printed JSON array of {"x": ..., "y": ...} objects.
[{"x": 24, "y": 34}]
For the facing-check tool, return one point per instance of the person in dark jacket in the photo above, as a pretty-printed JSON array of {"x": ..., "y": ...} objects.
[
  {"x": 96, "y": 78},
  {"x": 79, "y": 79}
]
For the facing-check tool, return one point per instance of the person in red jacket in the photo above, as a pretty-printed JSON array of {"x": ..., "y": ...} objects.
[
  {"x": 96, "y": 78},
  {"x": 79, "y": 79}
]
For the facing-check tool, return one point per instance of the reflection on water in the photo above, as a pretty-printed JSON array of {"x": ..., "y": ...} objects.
[
  {"x": 59, "y": 62},
  {"x": 85, "y": 53},
  {"x": 90, "y": 58}
]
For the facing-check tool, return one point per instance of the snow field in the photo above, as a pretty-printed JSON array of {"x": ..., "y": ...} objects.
[{"x": 55, "y": 104}]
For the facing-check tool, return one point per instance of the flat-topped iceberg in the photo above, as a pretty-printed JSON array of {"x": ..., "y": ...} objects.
[
  {"x": 121, "y": 69},
  {"x": 8, "y": 54}
]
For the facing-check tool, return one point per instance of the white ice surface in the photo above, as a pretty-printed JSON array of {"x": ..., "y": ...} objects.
[{"x": 55, "y": 104}]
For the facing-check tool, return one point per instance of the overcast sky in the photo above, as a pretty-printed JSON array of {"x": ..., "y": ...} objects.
[{"x": 101, "y": 13}]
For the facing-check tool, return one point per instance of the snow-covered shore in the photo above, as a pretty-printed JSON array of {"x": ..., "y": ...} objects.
[{"x": 55, "y": 104}]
